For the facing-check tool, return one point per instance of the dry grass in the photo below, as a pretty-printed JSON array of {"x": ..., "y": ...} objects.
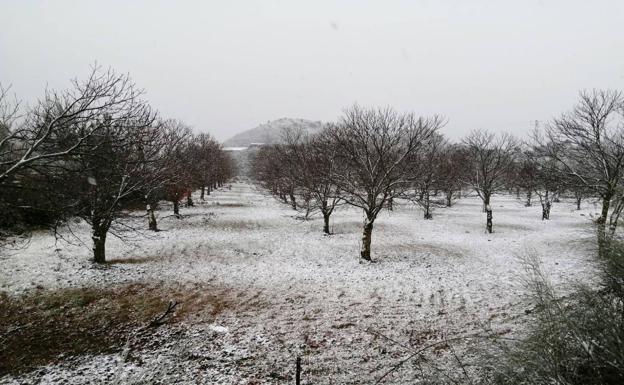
[{"x": 36, "y": 329}]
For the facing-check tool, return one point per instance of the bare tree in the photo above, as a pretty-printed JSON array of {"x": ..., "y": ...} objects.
[
  {"x": 27, "y": 143},
  {"x": 588, "y": 142},
  {"x": 546, "y": 179},
  {"x": 177, "y": 163},
  {"x": 112, "y": 144},
  {"x": 9, "y": 112},
  {"x": 428, "y": 174},
  {"x": 451, "y": 171},
  {"x": 311, "y": 164},
  {"x": 111, "y": 168},
  {"x": 167, "y": 169},
  {"x": 490, "y": 160},
  {"x": 277, "y": 168},
  {"x": 265, "y": 170},
  {"x": 374, "y": 147},
  {"x": 526, "y": 175},
  {"x": 207, "y": 157}
]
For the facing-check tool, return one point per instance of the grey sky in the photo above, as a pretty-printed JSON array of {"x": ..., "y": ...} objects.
[{"x": 226, "y": 66}]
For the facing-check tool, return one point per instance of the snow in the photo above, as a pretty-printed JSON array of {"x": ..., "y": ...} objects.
[
  {"x": 298, "y": 292},
  {"x": 235, "y": 148}
]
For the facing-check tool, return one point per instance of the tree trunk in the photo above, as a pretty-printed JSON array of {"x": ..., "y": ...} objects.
[
  {"x": 487, "y": 208},
  {"x": 427, "y": 206},
  {"x": 578, "y": 202},
  {"x": 488, "y": 224},
  {"x": 151, "y": 218},
  {"x": 176, "y": 208},
  {"x": 517, "y": 192},
  {"x": 615, "y": 215},
  {"x": 606, "y": 203},
  {"x": 449, "y": 198},
  {"x": 390, "y": 203},
  {"x": 203, "y": 190},
  {"x": 546, "y": 211},
  {"x": 99, "y": 244},
  {"x": 529, "y": 196},
  {"x": 366, "y": 240},
  {"x": 208, "y": 189},
  {"x": 486, "y": 202},
  {"x": 326, "y": 223},
  {"x": 308, "y": 208},
  {"x": 603, "y": 241},
  {"x": 293, "y": 201},
  {"x": 326, "y": 214}
]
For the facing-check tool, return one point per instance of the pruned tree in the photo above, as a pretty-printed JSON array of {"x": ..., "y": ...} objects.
[
  {"x": 526, "y": 175},
  {"x": 427, "y": 172},
  {"x": 85, "y": 149},
  {"x": 490, "y": 159},
  {"x": 177, "y": 163},
  {"x": 451, "y": 168},
  {"x": 207, "y": 157},
  {"x": 374, "y": 147},
  {"x": 547, "y": 180},
  {"x": 311, "y": 163},
  {"x": 167, "y": 168},
  {"x": 588, "y": 143},
  {"x": 224, "y": 167},
  {"x": 269, "y": 171},
  {"x": 111, "y": 167}
]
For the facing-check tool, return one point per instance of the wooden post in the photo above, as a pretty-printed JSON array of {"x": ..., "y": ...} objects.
[{"x": 298, "y": 372}]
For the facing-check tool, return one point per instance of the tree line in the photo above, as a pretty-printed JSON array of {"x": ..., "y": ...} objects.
[
  {"x": 95, "y": 151},
  {"x": 372, "y": 156}
]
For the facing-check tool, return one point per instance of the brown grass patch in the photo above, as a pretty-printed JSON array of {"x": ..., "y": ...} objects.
[{"x": 39, "y": 327}]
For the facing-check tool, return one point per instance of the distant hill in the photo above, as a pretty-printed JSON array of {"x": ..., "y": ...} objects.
[{"x": 270, "y": 132}]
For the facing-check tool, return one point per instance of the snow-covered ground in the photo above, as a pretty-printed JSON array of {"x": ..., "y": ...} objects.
[{"x": 295, "y": 292}]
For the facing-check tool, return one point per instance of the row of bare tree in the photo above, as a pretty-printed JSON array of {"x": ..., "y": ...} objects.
[
  {"x": 94, "y": 151},
  {"x": 371, "y": 157}
]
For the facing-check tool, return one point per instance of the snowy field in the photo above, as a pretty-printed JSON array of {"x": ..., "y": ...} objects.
[{"x": 278, "y": 288}]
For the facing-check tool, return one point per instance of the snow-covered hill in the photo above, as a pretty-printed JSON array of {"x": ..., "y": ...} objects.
[{"x": 271, "y": 132}]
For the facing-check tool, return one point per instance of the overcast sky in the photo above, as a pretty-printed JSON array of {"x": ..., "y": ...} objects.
[{"x": 227, "y": 66}]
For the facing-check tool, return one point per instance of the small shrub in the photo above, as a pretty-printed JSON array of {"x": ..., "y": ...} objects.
[{"x": 577, "y": 339}]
